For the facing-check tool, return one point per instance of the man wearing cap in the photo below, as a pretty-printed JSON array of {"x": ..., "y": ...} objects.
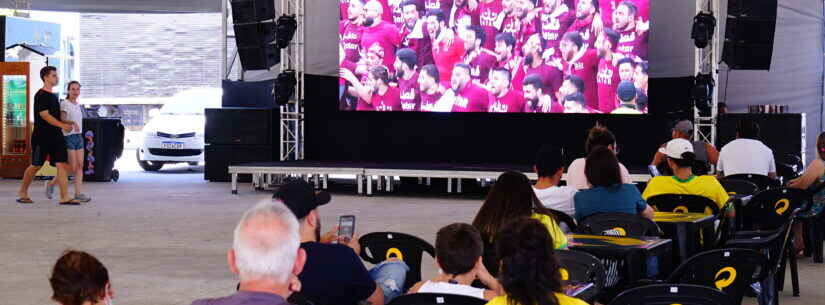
[
  {"x": 680, "y": 159},
  {"x": 626, "y": 93},
  {"x": 334, "y": 273},
  {"x": 684, "y": 130}
]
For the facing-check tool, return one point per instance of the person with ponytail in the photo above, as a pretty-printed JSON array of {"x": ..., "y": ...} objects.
[
  {"x": 529, "y": 272},
  {"x": 608, "y": 193},
  {"x": 680, "y": 159},
  {"x": 813, "y": 173},
  {"x": 78, "y": 278},
  {"x": 599, "y": 135}
]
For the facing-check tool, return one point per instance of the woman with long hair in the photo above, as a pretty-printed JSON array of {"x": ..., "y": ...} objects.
[
  {"x": 78, "y": 278},
  {"x": 529, "y": 270},
  {"x": 599, "y": 135},
  {"x": 607, "y": 193},
  {"x": 815, "y": 172}
]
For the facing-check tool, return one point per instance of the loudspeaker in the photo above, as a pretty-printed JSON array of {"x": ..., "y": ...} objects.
[
  {"x": 260, "y": 58},
  {"x": 220, "y": 157},
  {"x": 749, "y": 34},
  {"x": 254, "y": 35},
  {"x": 250, "y": 11},
  {"x": 241, "y": 126}
]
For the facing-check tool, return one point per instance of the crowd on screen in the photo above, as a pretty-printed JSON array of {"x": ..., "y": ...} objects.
[
  {"x": 505, "y": 254},
  {"x": 535, "y": 56}
]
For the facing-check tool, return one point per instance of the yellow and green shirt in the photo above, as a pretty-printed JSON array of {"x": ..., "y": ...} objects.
[
  {"x": 705, "y": 186},
  {"x": 559, "y": 239},
  {"x": 563, "y": 300}
]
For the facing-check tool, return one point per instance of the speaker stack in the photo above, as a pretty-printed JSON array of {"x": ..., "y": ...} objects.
[
  {"x": 749, "y": 34},
  {"x": 239, "y": 135},
  {"x": 253, "y": 21}
]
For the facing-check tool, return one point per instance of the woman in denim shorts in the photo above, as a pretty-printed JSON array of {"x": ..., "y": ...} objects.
[{"x": 70, "y": 110}]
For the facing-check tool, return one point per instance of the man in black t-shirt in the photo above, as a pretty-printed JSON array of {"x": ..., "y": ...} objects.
[
  {"x": 334, "y": 273},
  {"x": 47, "y": 139}
]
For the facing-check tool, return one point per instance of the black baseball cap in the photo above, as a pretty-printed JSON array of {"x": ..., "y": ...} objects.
[{"x": 300, "y": 197}]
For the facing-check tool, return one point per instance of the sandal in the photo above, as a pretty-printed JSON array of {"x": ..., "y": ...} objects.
[
  {"x": 70, "y": 202},
  {"x": 24, "y": 200}
]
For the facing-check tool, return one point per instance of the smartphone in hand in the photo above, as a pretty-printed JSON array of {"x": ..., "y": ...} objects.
[{"x": 346, "y": 228}]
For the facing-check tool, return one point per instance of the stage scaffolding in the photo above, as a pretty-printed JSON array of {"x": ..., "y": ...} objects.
[
  {"x": 291, "y": 128},
  {"x": 706, "y": 61}
]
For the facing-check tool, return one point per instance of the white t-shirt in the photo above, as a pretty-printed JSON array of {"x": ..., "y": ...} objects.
[
  {"x": 447, "y": 288},
  {"x": 746, "y": 156},
  {"x": 559, "y": 198},
  {"x": 577, "y": 179},
  {"x": 73, "y": 113}
]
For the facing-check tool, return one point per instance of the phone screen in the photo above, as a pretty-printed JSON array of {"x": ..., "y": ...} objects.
[{"x": 346, "y": 228}]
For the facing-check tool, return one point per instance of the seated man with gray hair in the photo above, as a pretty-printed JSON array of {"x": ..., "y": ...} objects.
[{"x": 266, "y": 256}]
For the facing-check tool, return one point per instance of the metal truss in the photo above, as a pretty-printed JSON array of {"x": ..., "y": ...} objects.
[{"x": 707, "y": 61}]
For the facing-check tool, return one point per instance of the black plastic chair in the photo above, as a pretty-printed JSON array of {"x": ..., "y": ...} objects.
[
  {"x": 436, "y": 299},
  {"x": 815, "y": 227},
  {"x": 630, "y": 225},
  {"x": 761, "y": 181},
  {"x": 672, "y": 294},
  {"x": 297, "y": 298},
  {"x": 582, "y": 267},
  {"x": 683, "y": 204},
  {"x": 563, "y": 218},
  {"x": 379, "y": 246},
  {"x": 730, "y": 270},
  {"x": 738, "y": 187}
]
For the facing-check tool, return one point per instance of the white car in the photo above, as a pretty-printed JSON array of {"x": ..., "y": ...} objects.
[{"x": 175, "y": 134}]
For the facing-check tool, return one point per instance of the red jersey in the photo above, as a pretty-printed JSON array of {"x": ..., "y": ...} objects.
[
  {"x": 419, "y": 41},
  {"x": 608, "y": 6},
  {"x": 520, "y": 30},
  {"x": 480, "y": 62},
  {"x": 471, "y": 99},
  {"x": 488, "y": 14},
  {"x": 545, "y": 105},
  {"x": 445, "y": 57},
  {"x": 512, "y": 101},
  {"x": 409, "y": 93},
  {"x": 428, "y": 101},
  {"x": 385, "y": 37},
  {"x": 386, "y": 14},
  {"x": 632, "y": 44},
  {"x": 459, "y": 13},
  {"x": 444, "y": 5},
  {"x": 554, "y": 24},
  {"x": 608, "y": 81},
  {"x": 585, "y": 65},
  {"x": 390, "y": 101},
  {"x": 344, "y": 9},
  {"x": 551, "y": 77},
  {"x": 585, "y": 29},
  {"x": 350, "y": 39}
]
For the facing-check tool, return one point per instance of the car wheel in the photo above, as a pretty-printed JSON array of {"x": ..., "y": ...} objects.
[
  {"x": 193, "y": 163},
  {"x": 149, "y": 166}
]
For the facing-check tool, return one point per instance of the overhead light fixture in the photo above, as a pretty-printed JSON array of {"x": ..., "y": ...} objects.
[
  {"x": 704, "y": 25},
  {"x": 285, "y": 30},
  {"x": 702, "y": 93},
  {"x": 285, "y": 87}
]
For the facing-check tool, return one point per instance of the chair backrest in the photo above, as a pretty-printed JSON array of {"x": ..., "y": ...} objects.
[
  {"x": 761, "y": 181},
  {"x": 563, "y": 218},
  {"x": 683, "y": 204},
  {"x": 770, "y": 209},
  {"x": 730, "y": 270},
  {"x": 623, "y": 223},
  {"x": 581, "y": 267},
  {"x": 436, "y": 299},
  {"x": 700, "y": 168},
  {"x": 298, "y": 298},
  {"x": 672, "y": 294},
  {"x": 379, "y": 246},
  {"x": 739, "y": 187}
]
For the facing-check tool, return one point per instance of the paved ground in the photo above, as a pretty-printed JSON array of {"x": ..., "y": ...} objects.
[{"x": 164, "y": 236}]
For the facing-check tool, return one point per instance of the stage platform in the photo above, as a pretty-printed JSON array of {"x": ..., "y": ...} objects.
[{"x": 365, "y": 172}]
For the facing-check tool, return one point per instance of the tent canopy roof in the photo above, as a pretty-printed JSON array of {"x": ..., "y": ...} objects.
[{"x": 124, "y": 6}]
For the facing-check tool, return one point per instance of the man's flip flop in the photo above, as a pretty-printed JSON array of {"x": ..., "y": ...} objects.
[
  {"x": 24, "y": 200},
  {"x": 70, "y": 202}
]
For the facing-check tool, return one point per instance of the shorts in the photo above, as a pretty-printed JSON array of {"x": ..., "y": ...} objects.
[
  {"x": 55, "y": 152},
  {"x": 74, "y": 141}
]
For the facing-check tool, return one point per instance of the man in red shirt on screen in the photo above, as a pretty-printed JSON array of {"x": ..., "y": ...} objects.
[
  {"x": 446, "y": 50},
  {"x": 489, "y": 14},
  {"x": 469, "y": 97},
  {"x": 502, "y": 97},
  {"x": 462, "y": 14},
  {"x": 480, "y": 60},
  {"x": 407, "y": 78},
  {"x": 554, "y": 18},
  {"x": 533, "y": 63},
  {"x": 443, "y": 5},
  {"x": 514, "y": 21},
  {"x": 627, "y": 68},
  {"x": 413, "y": 33},
  {"x": 535, "y": 98},
  {"x": 376, "y": 94},
  {"x": 506, "y": 53},
  {"x": 632, "y": 36},
  {"x": 574, "y": 103},
  {"x": 351, "y": 30},
  {"x": 431, "y": 91},
  {"x": 380, "y": 33},
  {"x": 585, "y": 14},
  {"x": 608, "y": 75},
  {"x": 581, "y": 62}
]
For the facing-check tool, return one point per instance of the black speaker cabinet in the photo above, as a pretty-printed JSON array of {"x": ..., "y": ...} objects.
[
  {"x": 784, "y": 133},
  {"x": 242, "y": 126},
  {"x": 248, "y": 11},
  {"x": 220, "y": 157},
  {"x": 749, "y": 34}
]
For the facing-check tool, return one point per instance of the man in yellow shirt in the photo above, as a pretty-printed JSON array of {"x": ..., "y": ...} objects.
[{"x": 680, "y": 158}]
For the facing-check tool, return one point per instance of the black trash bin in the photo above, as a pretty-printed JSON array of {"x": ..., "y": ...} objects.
[{"x": 103, "y": 144}]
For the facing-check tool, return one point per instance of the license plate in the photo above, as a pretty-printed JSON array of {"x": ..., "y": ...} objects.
[{"x": 171, "y": 145}]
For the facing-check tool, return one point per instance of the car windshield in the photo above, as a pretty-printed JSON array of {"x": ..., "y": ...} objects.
[{"x": 193, "y": 102}]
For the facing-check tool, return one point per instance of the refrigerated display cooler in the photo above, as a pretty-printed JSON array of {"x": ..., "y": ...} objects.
[{"x": 16, "y": 128}]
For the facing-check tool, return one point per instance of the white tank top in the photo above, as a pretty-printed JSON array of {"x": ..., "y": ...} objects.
[{"x": 442, "y": 287}]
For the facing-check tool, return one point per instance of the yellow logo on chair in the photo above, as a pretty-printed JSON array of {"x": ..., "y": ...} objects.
[
  {"x": 782, "y": 206},
  {"x": 620, "y": 231},
  {"x": 725, "y": 282},
  {"x": 397, "y": 253},
  {"x": 680, "y": 209},
  {"x": 564, "y": 274}
]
